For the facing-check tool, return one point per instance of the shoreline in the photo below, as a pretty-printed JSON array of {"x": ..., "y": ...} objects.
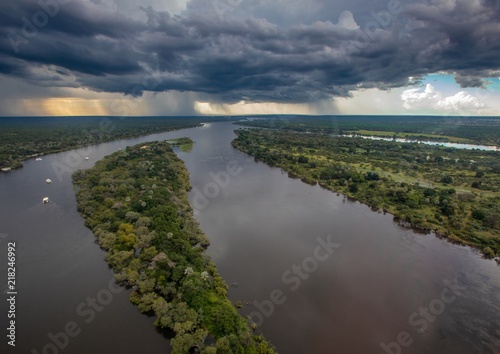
[
  {"x": 399, "y": 218},
  {"x": 135, "y": 202}
]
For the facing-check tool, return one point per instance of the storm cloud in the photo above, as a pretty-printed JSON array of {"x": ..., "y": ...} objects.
[{"x": 249, "y": 50}]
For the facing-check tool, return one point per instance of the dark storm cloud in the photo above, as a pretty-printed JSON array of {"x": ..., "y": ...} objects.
[{"x": 236, "y": 53}]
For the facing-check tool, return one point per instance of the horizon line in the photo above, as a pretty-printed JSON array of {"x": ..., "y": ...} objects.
[{"x": 256, "y": 115}]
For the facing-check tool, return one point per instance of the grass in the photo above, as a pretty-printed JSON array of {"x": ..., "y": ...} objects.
[{"x": 185, "y": 144}]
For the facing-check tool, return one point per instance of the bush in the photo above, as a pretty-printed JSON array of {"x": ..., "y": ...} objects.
[
  {"x": 478, "y": 214},
  {"x": 488, "y": 252},
  {"x": 303, "y": 159},
  {"x": 354, "y": 188},
  {"x": 447, "y": 179}
]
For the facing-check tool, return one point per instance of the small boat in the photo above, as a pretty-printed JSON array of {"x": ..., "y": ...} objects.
[
  {"x": 45, "y": 200},
  {"x": 86, "y": 158},
  {"x": 48, "y": 180},
  {"x": 38, "y": 159}
]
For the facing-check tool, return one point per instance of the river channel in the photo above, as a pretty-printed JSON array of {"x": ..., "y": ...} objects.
[{"x": 320, "y": 274}]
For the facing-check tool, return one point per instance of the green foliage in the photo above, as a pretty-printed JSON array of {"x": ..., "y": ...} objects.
[
  {"x": 447, "y": 179},
  {"x": 478, "y": 214},
  {"x": 22, "y": 138},
  {"x": 481, "y": 130},
  {"x": 426, "y": 187},
  {"x": 136, "y": 203}
]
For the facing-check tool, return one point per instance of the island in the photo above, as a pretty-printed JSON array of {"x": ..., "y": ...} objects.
[
  {"x": 32, "y": 137},
  {"x": 184, "y": 144},
  {"x": 135, "y": 202}
]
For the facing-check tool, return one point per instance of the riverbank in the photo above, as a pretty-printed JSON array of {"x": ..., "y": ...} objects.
[
  {"x": 454, "y": 194},
  {"x": 29, "y": 137},
  {"x": 184, "y": 144},
  {"x": 473, "y": 130},
  {"x": 135, "y": 202}
]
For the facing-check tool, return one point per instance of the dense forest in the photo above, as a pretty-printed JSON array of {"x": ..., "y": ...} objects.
[
  {"x": 453, "y": 192},
  {"x": 478, "y": 130},
  {"x": 135, "y": 202},
  {"x": 22, "y": 138}
]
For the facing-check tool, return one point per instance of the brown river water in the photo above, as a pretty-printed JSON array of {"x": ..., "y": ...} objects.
[{"x": 320, "y": 274}]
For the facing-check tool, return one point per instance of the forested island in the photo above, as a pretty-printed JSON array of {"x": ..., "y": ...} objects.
[
  {"x": 135, "y": 202},
  {"x": 453, "y": 192},
  {"x": 28, "y": 137}
]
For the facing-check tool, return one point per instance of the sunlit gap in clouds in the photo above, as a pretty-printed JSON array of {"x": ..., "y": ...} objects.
[{"x": 67, "y": 106}]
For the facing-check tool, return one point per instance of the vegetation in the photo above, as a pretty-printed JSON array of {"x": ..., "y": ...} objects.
[
  {"x": 412, "y": 136},
  {"x": 479, "y": 130},
  {"x": 185, "y": 144},
  {"x": 27, "y": 137},
  {"x": 135, "y": 202},
  {"x": 453, "y": 192}
]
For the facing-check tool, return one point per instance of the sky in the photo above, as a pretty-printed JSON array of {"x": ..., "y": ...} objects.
[{"x": 242, "y": 57}]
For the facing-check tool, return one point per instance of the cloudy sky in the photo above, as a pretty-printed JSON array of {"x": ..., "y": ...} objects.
[{"x": 170, "y": 57}]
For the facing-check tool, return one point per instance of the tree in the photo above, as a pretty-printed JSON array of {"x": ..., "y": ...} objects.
[
  {"x": 146, "y": 302},
  {"x": 183, "y": 342},
  {"x": 447, "y": 179},
  {"x": 303, "y": 159},
  {"x": 478, "y": 214}
]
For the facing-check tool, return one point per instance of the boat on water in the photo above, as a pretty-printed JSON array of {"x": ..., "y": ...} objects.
[
  {"x": 45, "y": 200},
  {"x": 48, "y": 180},
  {"x": 86, "y": 158},
  {"x": 38, "y": 159}
]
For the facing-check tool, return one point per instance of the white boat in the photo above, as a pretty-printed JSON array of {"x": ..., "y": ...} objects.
[
  {"x": 38, "y": 159},
  {"x": 86, "y": 158},
  {"x": 45, "y": 200},
  {"x": 48, "y": 180}
]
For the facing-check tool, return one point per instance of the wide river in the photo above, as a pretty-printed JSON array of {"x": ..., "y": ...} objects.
[{"x": 319, "y": 273}]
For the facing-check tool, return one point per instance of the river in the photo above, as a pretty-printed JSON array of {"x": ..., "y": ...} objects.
[
  {"x": 434, "y": 143},
  {"x": 319, "y": 273}
]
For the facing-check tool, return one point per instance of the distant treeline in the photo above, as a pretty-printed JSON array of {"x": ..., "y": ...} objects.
[
  {"x": 480, "y": 130},
  {"x": 24, "y": 137}
]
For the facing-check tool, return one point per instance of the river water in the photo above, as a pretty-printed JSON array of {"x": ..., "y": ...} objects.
[
  {"x": 435, "y": 143},
  {"x": 318, "y": 273}
]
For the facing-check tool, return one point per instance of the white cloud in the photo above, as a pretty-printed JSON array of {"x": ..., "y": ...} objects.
[
  {"x": 416, "y": 98},
  {"x": 430, "y": 100},
  {"x": 346, "y": 20},
  {"x": 461, "y": 102}
]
